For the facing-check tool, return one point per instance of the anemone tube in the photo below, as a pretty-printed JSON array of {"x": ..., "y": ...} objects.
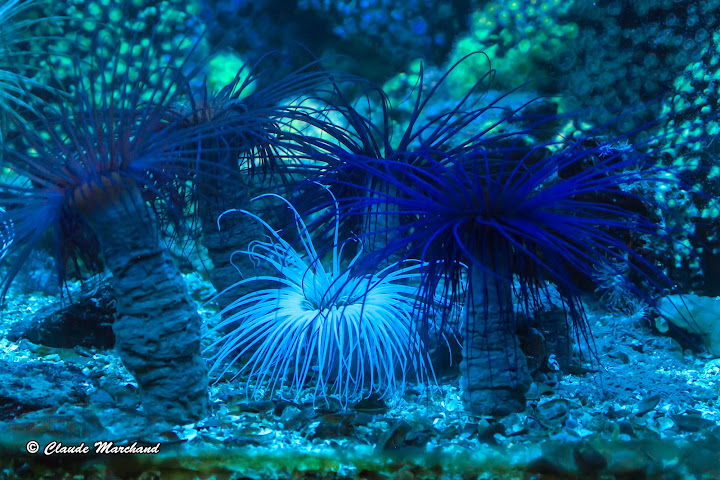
[
  {"x": 95, "y": 173},
  {"x": 494, "y": 372},
  {"x": 157, "y": 325},
  {"x": 245, "y": 158},
  {"x": 372, "y": 172}
]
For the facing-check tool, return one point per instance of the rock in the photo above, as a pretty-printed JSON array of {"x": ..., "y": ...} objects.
[
  {"x": 647, "y": 404},
  {"x": 291, "y": 418},
  {"x": 279, "y": 407},
  {"x": 417, "y": 439},
  {"x": 101, "y": 397},
  {"x": 555, "y": 462},
  {"x": 370, "y": 475},
  {"x": 553, "y": 412},
  {"x": 588, "y": 460},
  {"x": 395, "y": 437},
  {"x": 628, "y": 465},
  {"x": 25, "y": 387},
  {"x": 692, "y": 423},
  {"x": 488, "y": 433},
  {"x": 621, "y": 356},
  {"x": 86, "y": 323},
  {"x": 545, "y": 333},
  {"x": 626, "y": 428},
  {"x": 695, "y": 314},
  {"x": 372, "y": 404},
  {"x": 533, "y": 344},
  {"x": 332, "y": 425}
]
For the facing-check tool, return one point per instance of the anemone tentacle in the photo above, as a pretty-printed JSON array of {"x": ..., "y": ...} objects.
[
  {"x": 250, "y": 154},
  {"x": 359, "y": 137},
  {"x": 352, "y": 335}
]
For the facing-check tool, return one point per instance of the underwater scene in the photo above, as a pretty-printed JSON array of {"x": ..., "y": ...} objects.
[{"x": 359, "y": 239}]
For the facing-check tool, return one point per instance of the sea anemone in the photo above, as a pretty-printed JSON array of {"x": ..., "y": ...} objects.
[
  {"x": 506, "y": 211},
  {"x": 252, "y": 152},
  {"x": 352, "y": 334},
  {"x": 94, "y": 174},
  {"x": 357, "y": 135}
]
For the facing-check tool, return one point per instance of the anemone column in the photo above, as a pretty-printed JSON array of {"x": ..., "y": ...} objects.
[
  {"x": 157, "y": 329},
  {"x": 378, "y": 223},
  {"x": 494, "y": 372},
  {"x": 234, "y": 233}
]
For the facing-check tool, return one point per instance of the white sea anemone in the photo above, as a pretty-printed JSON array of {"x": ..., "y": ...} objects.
[{"x": 322, "y": 327}]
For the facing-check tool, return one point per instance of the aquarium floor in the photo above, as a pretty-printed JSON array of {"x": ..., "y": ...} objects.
[{"x": 647, "y": 410}]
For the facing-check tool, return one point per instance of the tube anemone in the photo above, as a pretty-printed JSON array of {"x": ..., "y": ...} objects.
[
  {"x": 96, "y": 174},
  {"x": 466, "y": 189},
  {"x": 352, "y": 335},
  {"x": 511, "y": 214},
  {"x": 250, "y": 154}
]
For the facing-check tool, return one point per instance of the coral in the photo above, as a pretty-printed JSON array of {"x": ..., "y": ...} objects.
[
  {"x": 129, "y": 26},
  {"x": 351, "y": 334},
  {"x": 520, "y": 38},
  {"x": 600, "y": 56},
  {"x": 15, "y": 65},
  {"x": 688, "y": 138},
  {"x": 255, "y": 28},
  {"x": 222, "y": 70},
  {"x": 626, "y": 53},
  {"x": 396, "y": 32}
]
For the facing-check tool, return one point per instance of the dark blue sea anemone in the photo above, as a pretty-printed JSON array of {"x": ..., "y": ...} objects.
[
  {"x": 353, "y": 135},
  {"x": 95, "y": 173},
  {"x": 253, "y": 150},
  {"x": 497, "y": 218}
]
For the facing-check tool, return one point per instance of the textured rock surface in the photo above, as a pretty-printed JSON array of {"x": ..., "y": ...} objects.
[
  {"x": 86, "y": 322},
  {"x": 25, "y": 387},
  {"x": 157, "y": 329}
]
